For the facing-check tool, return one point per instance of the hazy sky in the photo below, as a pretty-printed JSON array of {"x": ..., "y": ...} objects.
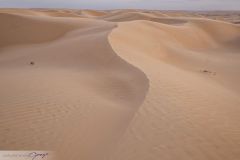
[{"x": 113, "y": 4}]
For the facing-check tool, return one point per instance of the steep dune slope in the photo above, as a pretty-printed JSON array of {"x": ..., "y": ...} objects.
[
  {"x": 191, "y": 110},
  {"x": 77, "y": 97}
]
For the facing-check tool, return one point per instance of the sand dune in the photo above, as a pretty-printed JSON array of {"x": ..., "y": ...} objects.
[
  {"x": 191, "y": 109},
  {"x": 123, "y": 16},
  {"x": 121, "y": 84},
  {"x": 31, "y": 29},
  {"x": 93, "y": 13},
  {"x": 56, "y": 103},
  {"x": 127, "y": 16}
]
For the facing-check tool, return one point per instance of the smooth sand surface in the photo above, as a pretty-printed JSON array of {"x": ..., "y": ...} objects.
[{"x": 121, "y": 84}]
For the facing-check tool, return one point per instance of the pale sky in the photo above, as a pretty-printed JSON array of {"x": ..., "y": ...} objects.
[{"x": 114, "y": 4}]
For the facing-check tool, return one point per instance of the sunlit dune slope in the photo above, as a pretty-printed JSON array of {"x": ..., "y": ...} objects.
[{"x": 191, "y": 110}]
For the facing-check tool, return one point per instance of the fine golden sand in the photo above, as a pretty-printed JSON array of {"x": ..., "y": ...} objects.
[{"x": 120, "y": 84}]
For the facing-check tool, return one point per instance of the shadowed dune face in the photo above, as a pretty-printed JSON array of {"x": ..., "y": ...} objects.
[
  {"x": 55, "y": 93},
  {"x": 121, "y": 84}
]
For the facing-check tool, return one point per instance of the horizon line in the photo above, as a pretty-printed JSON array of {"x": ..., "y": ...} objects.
[{"x": 200, "y": 10}]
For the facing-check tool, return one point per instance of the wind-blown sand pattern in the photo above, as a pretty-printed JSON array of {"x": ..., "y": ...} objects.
[{"x": 121, "y": 84}]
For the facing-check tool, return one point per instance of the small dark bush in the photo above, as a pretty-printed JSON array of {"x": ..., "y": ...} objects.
[{"x": 205, "y": 71}]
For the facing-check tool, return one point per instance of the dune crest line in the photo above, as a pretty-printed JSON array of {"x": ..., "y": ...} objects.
[
  {"x": 63, "y": 88},
  {"x": 185, "y": 112}
]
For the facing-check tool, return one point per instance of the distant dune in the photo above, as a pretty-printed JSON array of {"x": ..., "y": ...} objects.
[
  {"x": 120, "y": 84},
  {"x": 93, "y": 13}
]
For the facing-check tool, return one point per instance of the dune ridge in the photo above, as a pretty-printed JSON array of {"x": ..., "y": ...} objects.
[
  {"x": 56, "y": 103},
  {"x": 191, "y": 109}
]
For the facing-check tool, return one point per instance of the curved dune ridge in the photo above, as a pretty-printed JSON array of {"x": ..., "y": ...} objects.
[
  {"x": 73, "y": 95},
  {"x": 121, "y": 84},
  {"x": 191, "y": 110}
]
